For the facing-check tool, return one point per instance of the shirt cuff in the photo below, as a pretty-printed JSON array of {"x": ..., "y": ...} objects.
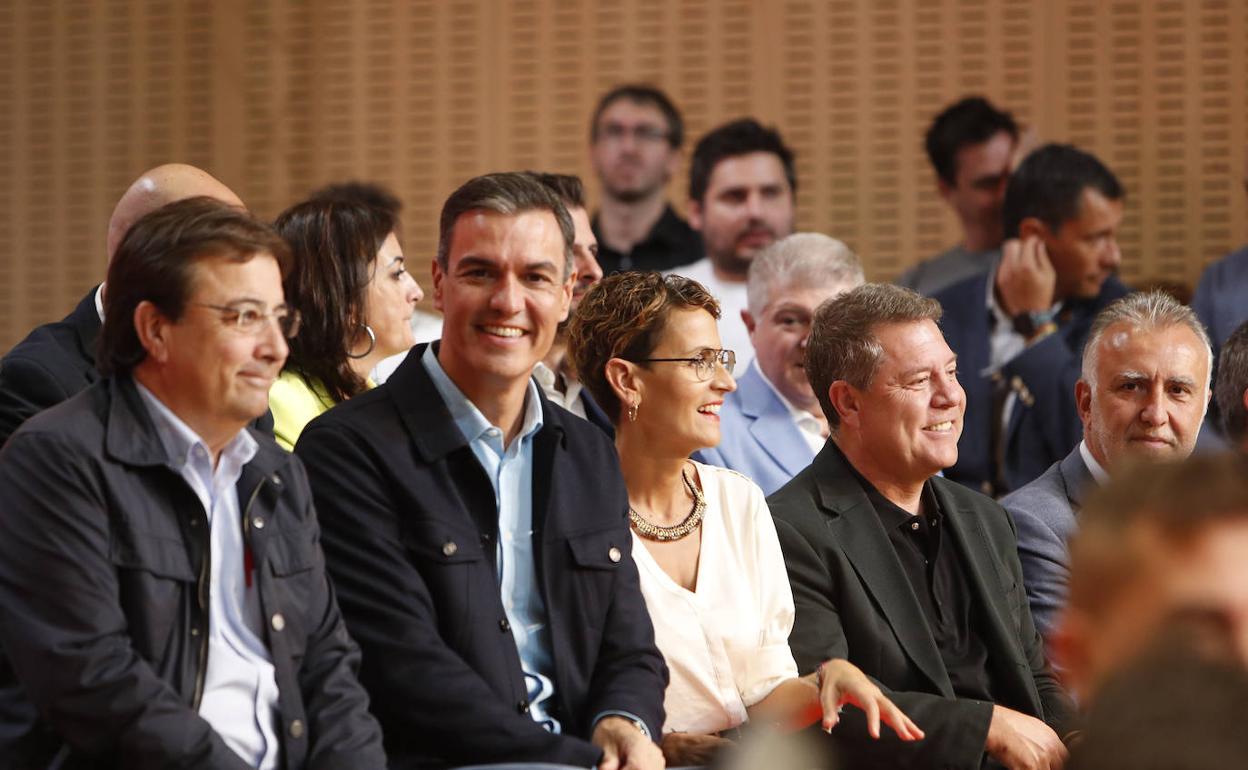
[{"x": 641, "y": 724}]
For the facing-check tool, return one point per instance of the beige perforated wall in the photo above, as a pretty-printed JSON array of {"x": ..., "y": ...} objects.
[{"x": 278, "y": 97}]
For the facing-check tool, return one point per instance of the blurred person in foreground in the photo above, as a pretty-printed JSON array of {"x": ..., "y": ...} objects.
[
  {"x": 773, "y": 425},
  {"x": 163, "y": 599},
  {"x": 910, "y": 576},
  {"x": 349, "y": 281},
  {"x": 477, "y": 535},
  {"x": 712, "y": 574}
]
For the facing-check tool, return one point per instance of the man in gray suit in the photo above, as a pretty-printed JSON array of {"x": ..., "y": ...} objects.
[{"x": 1143, "y": 392}]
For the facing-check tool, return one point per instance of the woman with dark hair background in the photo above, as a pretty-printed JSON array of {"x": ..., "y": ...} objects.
[{"x": 349, "y": 283}]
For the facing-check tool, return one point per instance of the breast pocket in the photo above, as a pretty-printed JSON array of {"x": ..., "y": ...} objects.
[
  {"x": 595, "y": 559},
  {"x": 292, "y": 554},
  {"x": 156, "y": 583},
  {"x": 453, "y": 563}
]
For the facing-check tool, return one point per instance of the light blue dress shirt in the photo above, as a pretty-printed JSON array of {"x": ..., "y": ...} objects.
[
  {"x": 510, "y": 469},
  {"x": 240, "y": 687}
]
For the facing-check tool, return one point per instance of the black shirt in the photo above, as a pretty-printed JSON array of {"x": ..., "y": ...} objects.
[
  {"x": 670, "y": 243},
  {"x": 934, "y": 568}
]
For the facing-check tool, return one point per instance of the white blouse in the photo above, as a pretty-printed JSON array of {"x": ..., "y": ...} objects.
[{"x": 727, "y": 643}]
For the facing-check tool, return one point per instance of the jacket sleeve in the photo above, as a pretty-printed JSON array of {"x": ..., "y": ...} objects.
[
  {"x": 61, "y": 622},
  {"x": 955, "y": 728},
  {"x": 424, "y": 693},
  {"x": 1049, "y": 429},
  {"x": 344, "y": 735},
  {"x": 1044, "y": 560},
  {"x": 27, "y": 387}
]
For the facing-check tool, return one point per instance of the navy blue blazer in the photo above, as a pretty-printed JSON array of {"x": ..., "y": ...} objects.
[
  {"x": 54, "y": 362},
  {"x": 1044, "y": 423},
  {"x": 410, "y": 532},
  {"x": 759, "y": 438}
]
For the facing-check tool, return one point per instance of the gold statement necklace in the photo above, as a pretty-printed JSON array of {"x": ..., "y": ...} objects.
[{"x": 651, "y": 531}]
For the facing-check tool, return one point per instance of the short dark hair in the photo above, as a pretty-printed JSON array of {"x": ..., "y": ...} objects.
[
  {"x": 155, "y": 263},
  {"x": 335, "y": 245},
  {"x": 1228, "y": 391},
  {"x": 843, "y": 343},
  {"x": 1049, "y": 185},
  {"x": 740, "y": 137},
  {"x": 622, "y": 317},
  {"x": 968, "y": 122},
  {"x": 366, "y": 193},
  {"x": 568, "y": 187},
  {"x": 642, "y": 94},
  {"x": 509, "y": 193}
]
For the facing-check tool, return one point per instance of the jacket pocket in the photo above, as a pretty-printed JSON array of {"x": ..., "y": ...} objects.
[
  {"x": 601, "y": 550},
  {"x": 156, "y": 586}
]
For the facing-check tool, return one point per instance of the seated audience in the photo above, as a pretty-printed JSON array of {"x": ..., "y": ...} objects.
[
  {"x": 1019, "y": 328},
  {"x": 1231, "y": 389},
  {"x": 349, "y": 282},
  {"x": 1159, "y": 547},
  {"x": 634, "y": 146},
  {"x": 742, "y": 184},
  {"x": 555, "y": 374},
  {"x": 772, "y": 425},
  {"x": 57, "y": 360},
  {"x": 1143, "y": 393},
  {"x": 477, "y": 536},
  {"x": 711, "y": 570},
  {"x": 148, "y": 628},
  {"x": 971, "y": 146},
  {"x": 913, "y": 578}
]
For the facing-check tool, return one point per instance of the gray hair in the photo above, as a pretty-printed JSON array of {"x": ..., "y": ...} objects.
[
  {"x": 843, "y": 345},
  {"x": 510, "y": 194},
  {"x": 1146, "y": 310},
  {"x": 1232, "y": 381},
  {"x": 800, "y": 260}
]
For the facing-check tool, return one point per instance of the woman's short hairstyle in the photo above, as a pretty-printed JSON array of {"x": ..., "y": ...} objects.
[
  {"x": 335, "y": 245},
  {"x": 843, "y": 345},
  {"x": 623, "y": 317},
  {"x": 155, "y": 262}
]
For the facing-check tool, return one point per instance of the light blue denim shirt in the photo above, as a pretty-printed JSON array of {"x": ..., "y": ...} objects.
[
  {"x": 240, "y": 686},
  {"x": 510, "y": 470}
]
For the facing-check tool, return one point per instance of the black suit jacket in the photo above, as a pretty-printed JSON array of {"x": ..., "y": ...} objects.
[
  {"x": 54, "y": 362},
  {"x": 410, "y": 531},
  {"x": 853, "y": 601}
]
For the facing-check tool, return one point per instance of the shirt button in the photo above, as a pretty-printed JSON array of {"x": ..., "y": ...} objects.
[
  {"x": 449, "y": 548},
  {"x": 914, "y": 525},
  {"x": 258, "y": 522},
  {"x": 504, "y": 625},
  {"x": 523, "y": 707},
  {"x": 296, "y": 728},
  {"x": 277, "y": 482},
  {"x": 614, "y": 554},
  {"x": 278, "y": 621}
]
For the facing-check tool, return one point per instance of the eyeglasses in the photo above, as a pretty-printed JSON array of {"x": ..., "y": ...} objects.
[
  {"x": 614, "y": 132},
  {"x": 251, "y": 317},
  {"x": 704, "y": 364}
]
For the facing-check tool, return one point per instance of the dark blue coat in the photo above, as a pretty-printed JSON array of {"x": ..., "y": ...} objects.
[
  {"x": 1044, "y": 423},
  {"x": 410, "y": 534}
]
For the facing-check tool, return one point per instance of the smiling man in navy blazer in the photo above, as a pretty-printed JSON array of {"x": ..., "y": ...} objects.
[
  {"x": 772, "y": 426},
  {"x": 477, "y": 536}
]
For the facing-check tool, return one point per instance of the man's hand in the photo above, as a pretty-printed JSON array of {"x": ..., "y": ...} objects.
[
  {"x": 1025, "y": 278},
  {"x": 1021, "y": 742},
  {"x": 691, "y": 749},
  {"x": 624, "y": 747}
]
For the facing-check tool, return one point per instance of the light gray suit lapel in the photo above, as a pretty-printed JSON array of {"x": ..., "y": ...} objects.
[
  {"x": 1077, "y": 478},
  {"x": 771, "y": 425}
]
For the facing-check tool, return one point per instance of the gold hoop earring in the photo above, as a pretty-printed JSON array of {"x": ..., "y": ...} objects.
[{"x": 632, "y": 412}]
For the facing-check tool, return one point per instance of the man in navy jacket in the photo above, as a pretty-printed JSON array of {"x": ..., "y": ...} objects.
[
  {"x": 477, "y": 536},
  {"x": 1020, "y": 327}
]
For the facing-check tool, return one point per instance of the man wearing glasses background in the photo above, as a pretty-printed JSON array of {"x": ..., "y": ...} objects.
[
  {"x": 163, "y": 600},
  {"x": 635, "y": 147}
]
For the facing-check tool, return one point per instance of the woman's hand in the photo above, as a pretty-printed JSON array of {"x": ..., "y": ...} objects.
[
  {"x": 682, "y": 749},
  {"x": 842, "y": 682}
]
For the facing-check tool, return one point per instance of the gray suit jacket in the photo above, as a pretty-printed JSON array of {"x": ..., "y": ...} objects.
[{"x": 1045, "y": 513}]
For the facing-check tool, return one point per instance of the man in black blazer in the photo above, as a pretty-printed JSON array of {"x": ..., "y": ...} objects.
[
  {"x": 477, "y": 536},
  {"x": 913, "y": 578},
  {"x": 57, "y": 360}
]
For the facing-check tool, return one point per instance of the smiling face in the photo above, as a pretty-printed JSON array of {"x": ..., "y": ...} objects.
[
  {"x": 779, "y": 337},
  {"x": 909, "y": 418},
  {"x": 748, "y": 204},
  {"x": 1084, "y": 250},
  {"x": 390, "y": 300},
  {"x": 679, "y": 413},
  {"x": 1148, "y": 394},
  {"x": 502, "y": 295}
]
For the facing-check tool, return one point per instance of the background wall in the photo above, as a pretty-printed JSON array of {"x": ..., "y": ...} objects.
[{"x": 277, "y": 97}]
